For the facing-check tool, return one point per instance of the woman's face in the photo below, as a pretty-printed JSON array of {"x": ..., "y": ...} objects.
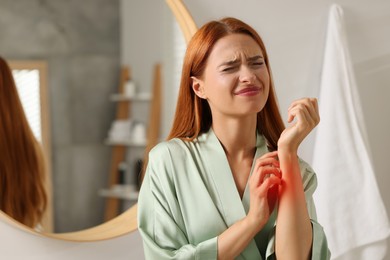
[{"x": 236, "y": 80}]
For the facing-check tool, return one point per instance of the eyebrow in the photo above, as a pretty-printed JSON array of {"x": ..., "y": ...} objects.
[
  {"x": 254, "y": 58},
  {"x": 235, "y": 61},
  {"x": 230, "y": 62}
]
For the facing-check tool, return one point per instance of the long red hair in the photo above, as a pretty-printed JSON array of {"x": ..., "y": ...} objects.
[
  {"x": 22, "y": 166},
  {"x": 193, "y": 114}
]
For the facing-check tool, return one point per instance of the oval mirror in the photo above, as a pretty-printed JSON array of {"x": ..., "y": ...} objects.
[{"x": 68, "y": 53}]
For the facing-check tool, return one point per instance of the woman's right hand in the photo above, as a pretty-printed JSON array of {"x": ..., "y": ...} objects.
[{"x": 263, "y": 186}]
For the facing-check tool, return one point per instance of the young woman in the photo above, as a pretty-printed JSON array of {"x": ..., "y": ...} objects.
[
  {"x": 22, "y": 167},
  {"x": 228, "y": 183}
]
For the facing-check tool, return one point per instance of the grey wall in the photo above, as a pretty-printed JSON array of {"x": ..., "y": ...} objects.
[{"x": 80, "y": 42}]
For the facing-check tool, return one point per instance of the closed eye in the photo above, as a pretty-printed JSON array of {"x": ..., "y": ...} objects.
[
  {"x": 227, "y": 69},
  {"x": 258, "y": 64}
]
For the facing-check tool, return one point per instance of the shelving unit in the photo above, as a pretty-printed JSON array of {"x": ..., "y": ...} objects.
[
  {"x": 138, "y": 97},
  {"x": 133, "y": 143},
  {"x": 125, "y": 192},
  {"x": 116, "y": 192}
]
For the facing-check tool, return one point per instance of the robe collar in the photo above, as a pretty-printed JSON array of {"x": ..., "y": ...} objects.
[{"x": 231, "y": 206}]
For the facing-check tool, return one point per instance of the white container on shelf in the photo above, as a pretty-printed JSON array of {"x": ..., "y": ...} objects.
[
  {"x": 138, "y": 133},
  {"x": 130, "y": 89}
]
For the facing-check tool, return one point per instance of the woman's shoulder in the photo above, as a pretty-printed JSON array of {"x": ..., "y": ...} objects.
[
  {"x": 173, "y": 146},
  {"x": 167, "y": 157}
]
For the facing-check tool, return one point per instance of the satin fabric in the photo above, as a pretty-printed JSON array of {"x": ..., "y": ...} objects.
[{"x": 189, "y": 197}]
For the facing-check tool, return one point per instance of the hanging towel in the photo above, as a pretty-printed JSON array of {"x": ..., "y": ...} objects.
[{"x": 348, "y": 201}]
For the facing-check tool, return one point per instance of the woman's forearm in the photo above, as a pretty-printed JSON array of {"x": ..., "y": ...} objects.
[
  {"x": 235, "y": 239},
  {"x": 293, "y": 229}
]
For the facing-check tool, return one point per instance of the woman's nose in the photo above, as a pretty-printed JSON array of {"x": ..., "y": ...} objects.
[{"x": 247, "y": 75}]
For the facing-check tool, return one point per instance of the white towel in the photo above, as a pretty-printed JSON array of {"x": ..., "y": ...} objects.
[{"x": 348, "y": 201}]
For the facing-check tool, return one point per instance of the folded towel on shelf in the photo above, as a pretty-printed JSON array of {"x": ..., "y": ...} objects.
[
  {"x": 348, "y": 201},
  {"x": 120, "y": 130}
]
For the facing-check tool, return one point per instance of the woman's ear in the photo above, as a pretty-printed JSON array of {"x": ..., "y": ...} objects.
[{"x": 198, "y": 87}]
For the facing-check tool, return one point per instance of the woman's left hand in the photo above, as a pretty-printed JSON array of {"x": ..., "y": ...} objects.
[{"x": 306, "y": 115}]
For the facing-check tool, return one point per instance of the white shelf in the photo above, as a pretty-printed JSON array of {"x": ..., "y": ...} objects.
[
  {"x": 138, "y": 97},
  {"x": 124, "y": 192},
  {"x": 141, "y": 143}
]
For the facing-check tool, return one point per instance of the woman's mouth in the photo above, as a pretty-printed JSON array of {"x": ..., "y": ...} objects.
[{"x": 248, "y": 91}]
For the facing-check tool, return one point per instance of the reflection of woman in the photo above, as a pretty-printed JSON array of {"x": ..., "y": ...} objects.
[
  {"x": 22, "y": 193},
  {"x": 229, "y": 184}
]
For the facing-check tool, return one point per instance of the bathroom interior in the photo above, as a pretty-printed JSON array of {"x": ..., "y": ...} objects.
[{"x": 86, "y": 46}]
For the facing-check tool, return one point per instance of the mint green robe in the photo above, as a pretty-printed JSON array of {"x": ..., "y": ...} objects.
[{"x": 189, "y": 197}]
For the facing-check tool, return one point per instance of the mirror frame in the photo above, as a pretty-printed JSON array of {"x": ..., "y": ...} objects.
[
  {"x": 126, "y": 222},
  {"x": 184, "y": 18}
]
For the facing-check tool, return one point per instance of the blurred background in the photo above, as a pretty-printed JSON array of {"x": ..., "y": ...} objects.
[{"x": 86, "y": 43}]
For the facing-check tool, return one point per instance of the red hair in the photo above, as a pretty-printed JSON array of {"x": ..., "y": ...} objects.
[
  {"x": 22, "y": 166},
  {"x": 193, "y": 114}
]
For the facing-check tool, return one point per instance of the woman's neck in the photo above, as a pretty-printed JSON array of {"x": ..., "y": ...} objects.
[{"x": 237, "y": 135}]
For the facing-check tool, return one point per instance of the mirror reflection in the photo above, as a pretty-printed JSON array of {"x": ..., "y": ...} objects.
[
  {"x": 22, "y": 166},
  {"x": 86, "y": 47},
  {"x": 27, "y": 84}
]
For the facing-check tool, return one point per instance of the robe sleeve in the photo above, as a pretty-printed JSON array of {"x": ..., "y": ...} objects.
[
  {"x": 160, "y": 222},
  {"x": 319, "y": 248}
]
